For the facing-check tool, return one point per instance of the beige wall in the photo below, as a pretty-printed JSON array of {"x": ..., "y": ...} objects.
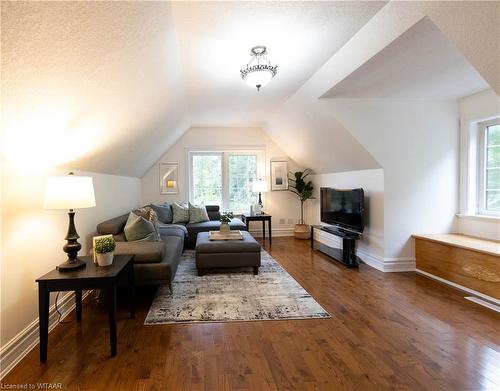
[
  {"x": 32, "y": 238},
  {"x": 283, "y": 205}
]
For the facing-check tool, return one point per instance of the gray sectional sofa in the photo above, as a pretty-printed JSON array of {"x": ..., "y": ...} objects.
[{"x": 155, "y": 263}]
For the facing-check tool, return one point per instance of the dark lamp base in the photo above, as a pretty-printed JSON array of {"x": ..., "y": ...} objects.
[{"x": 71, "y": 265}]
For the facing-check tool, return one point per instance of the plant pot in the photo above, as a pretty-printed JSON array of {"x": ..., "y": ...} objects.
[
  {"x": 302, "y": 231},
  {"x": 224, "y": 227},
  {"x": 105, "y": 259}
]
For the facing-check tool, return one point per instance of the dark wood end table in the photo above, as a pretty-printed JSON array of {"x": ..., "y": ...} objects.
[
  {"x": 262, "y": 217},
  {"x": 92, "y": 276}
]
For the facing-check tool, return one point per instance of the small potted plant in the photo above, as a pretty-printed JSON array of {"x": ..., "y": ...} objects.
[
  {"x": 105, "y": 250},
  {"x": 225, "y": 219},
  {"x": 304, "y": 190}
]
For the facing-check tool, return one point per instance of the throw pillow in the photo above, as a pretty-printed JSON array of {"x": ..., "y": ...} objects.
[
  {"x": 164, "y": 212},
  {"x": 138, "y": 229},
  {"x": 181, "y": 213},
  {"x": 197, "y": 214},
  {"x": 150, "y": 215}
]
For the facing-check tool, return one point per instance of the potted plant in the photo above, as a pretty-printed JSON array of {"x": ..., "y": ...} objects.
[
  {"x": 105, "y": 250},
  {"x": 303, "y": 190},
  {"x": 225, "y": 219}
]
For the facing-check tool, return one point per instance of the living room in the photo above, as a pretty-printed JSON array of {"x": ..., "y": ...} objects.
[{"x": 180, "y": 117}]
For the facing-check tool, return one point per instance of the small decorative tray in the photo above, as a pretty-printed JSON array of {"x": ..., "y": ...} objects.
[{"x": 231, "y": 235}]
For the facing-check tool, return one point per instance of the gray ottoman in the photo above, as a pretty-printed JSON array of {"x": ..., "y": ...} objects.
[{"x": 227, "y": 253}]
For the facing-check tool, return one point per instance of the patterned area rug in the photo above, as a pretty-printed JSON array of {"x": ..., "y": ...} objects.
[{"x": 232, "y": 296}]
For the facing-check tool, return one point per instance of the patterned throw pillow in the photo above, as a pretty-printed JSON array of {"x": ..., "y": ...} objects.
[
  {"x": 150, "y": 215},
  {"x": 164, "y": 212},
  {"x": 197, "y": 214},
  {"x": 139, "y": 229},
  {"x": 181, "y": 213}
]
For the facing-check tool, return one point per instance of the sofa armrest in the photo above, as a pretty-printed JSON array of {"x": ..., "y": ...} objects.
[
  {"x": 144, "y": 252},
  {"x": 213, "y": 212}
]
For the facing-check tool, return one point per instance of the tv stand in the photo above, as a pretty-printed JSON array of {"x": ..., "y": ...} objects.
[{"x": 346, "y": 255}]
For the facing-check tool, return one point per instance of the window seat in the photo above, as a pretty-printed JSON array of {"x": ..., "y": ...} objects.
[{"x": 467, "y": 262}]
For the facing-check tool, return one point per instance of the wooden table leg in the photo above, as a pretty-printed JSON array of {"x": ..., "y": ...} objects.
[
  {"x": 43, "y": 311},
  {"x": 78, "y": 303},
  {"x": 264, "y": 229},
  {"x": 270, "y": 234},
  {"x": 112, "y": 318},
  {"x": 131, "y": 284},
  {"x": 248, "y": 224}
]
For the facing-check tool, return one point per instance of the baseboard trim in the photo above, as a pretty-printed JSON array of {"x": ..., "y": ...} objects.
[
  {"x": 381, "y": 264},
  {"x": 484, "y": 303},
  {"x": 277, "y": 232},
  {"x": 399, "y": 264},
  {"x": 371, "y": 260},
  {"x": 459, "y": 287},
  {"x": 19, "y": 346}
]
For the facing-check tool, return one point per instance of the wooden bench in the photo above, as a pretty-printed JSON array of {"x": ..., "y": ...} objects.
[{"x": 469, "y": 262}]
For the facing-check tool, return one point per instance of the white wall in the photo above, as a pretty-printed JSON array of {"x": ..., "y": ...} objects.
[
  {"x": 32, "y": 238},
  {"x": 371, "y": 244},
  {"x": 282, "y": 205},
  {"x": 474, "y": 108},
  {"x": 416, "y": 143}
]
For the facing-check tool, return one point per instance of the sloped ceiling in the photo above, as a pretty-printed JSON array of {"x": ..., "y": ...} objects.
[
  {"x": 420, "y": 64},
  {"x": 109, "y": 86},
  {"x": 96, "y": 86}
]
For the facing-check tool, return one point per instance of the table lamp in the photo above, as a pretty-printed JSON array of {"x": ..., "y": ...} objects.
[
  {"x": 70, "y": 192},
  {"x": 260, "y": 187}
]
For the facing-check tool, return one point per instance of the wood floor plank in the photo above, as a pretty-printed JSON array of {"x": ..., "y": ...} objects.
[{"x": 388, "y": 331}]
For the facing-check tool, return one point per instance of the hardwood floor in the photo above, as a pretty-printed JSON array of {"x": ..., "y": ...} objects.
[{"x": 392, "y": 331}]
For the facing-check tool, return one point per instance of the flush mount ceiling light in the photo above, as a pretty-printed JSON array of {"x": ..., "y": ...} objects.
[{"x": 259, "y": 70}]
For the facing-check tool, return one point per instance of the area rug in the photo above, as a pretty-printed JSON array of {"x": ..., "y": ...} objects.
[{"x": 232, "y": 296}]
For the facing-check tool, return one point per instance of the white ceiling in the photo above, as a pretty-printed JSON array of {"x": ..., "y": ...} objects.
[
  {"x": 420, "y": 64},
  {"x": 215, "y": 40}
]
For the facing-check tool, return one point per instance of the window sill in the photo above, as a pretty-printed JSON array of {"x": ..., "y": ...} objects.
[{"x": 479, "y": 217}]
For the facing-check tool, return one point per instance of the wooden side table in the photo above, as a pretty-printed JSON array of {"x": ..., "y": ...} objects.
[
  {"x": 121, "y": 272},
  {"x": 262, "y": 217}
]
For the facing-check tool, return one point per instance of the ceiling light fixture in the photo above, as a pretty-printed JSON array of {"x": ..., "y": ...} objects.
[{"x": 259, "y": 70}]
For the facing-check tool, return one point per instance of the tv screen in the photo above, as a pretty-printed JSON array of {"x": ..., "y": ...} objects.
[{"x": 343, "y": 208}]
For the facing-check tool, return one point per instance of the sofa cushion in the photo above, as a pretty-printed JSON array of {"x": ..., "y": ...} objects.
[
  {"x": 173, "y": 230},
  {"x": 138, "y": 228},
  {"x": 194, "y": 228},
  {"x": 144, "y": 252},
  {"x": 197, "y": 214},
  {"x": 180, "y": 213},
  {"x": 112, "y": 226},
  {"x": 163, "y": 211}
]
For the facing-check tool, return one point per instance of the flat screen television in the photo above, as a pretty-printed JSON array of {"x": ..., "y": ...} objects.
[{"x": 343, "y": 208}]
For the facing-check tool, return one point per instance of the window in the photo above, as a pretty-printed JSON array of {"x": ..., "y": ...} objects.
[
  {"x": 206, "y": 174},
  {"x": 489, "y": 168},
  {"x": 224, "y": 178}
]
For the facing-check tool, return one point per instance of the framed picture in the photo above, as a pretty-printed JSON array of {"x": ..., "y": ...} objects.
[
  {"x": 169, "y": 178},
  {"x": 279, "y": 175}
]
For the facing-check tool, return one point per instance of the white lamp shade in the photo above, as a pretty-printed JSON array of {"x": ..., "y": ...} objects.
[
  {"x": 69, "y": 192},
  {"x": 258, "y": 78},
  {"x": 259, "y": 186}
]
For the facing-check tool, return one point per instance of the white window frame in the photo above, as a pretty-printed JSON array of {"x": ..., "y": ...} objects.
[
  {"x": 481, "y": 168},
  {"x": 258, "y": 150}
]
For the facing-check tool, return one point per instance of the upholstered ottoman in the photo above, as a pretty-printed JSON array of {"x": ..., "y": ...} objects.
[{"x": 215, "y": 254}]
